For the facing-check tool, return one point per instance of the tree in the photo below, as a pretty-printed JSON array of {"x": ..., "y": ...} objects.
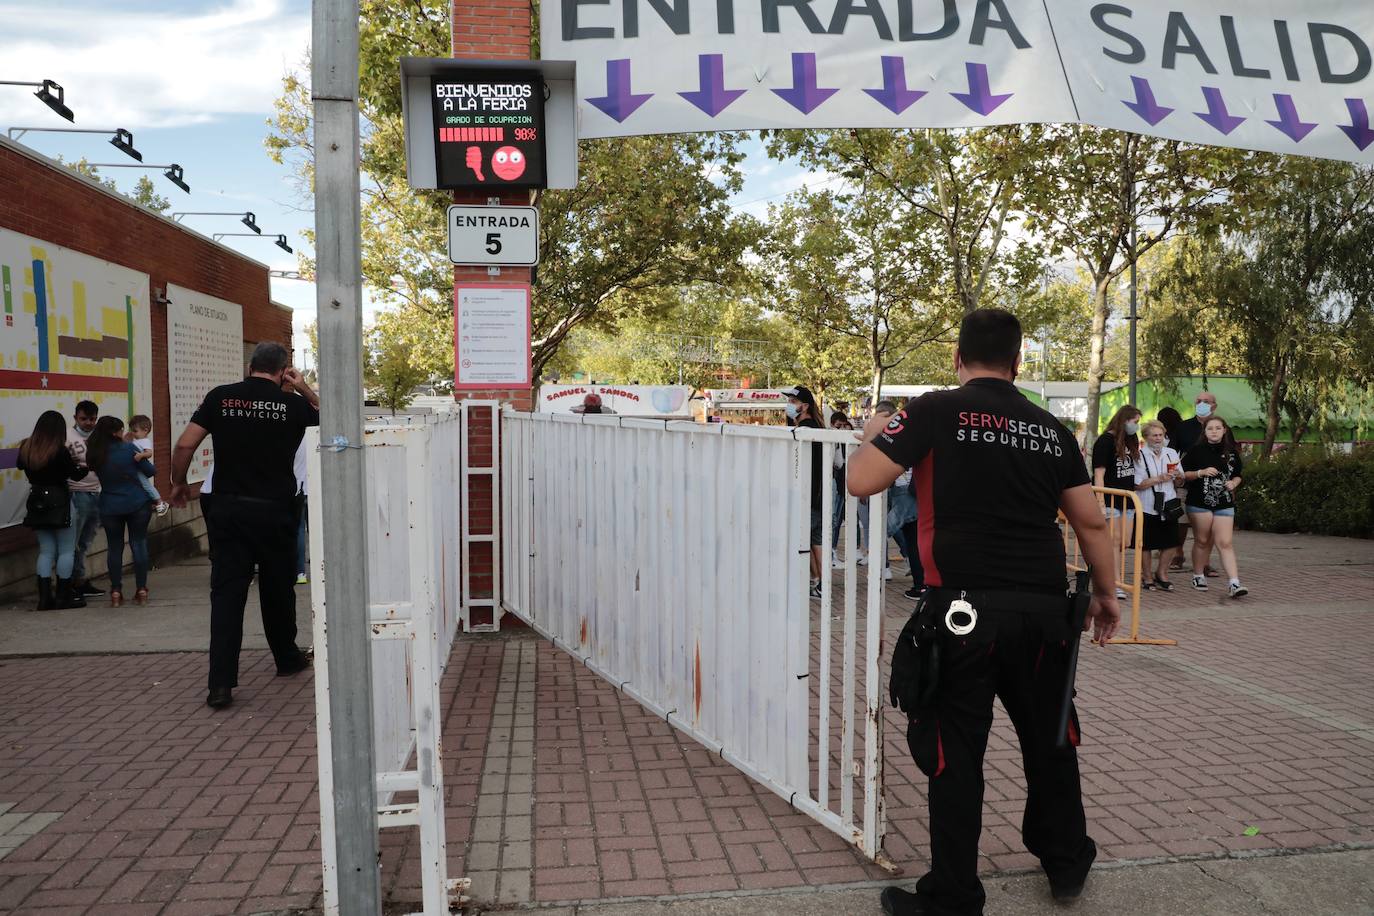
[
  {"x": 390, "y": 374},
  {"x": 843, "y": 264},
  {"x": 960, "y": 187},
  {"x": 144, "y": 193},
  {"x": 1296, "y": 286},
  {"x": 649, "y": 213},
  {"x": 1096, "y": 185}
]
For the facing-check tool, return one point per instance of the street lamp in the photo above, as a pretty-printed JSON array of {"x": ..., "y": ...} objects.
[
  {"x": 45, "y": 94},
  {"x": 249, "y": 218},
  {"x": 122, "y": 139},
  {"x": 279, "y": 241},
  {"x": 172, "y": 173}
]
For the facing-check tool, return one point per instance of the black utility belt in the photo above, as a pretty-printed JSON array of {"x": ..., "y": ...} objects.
[
  {"x": 1010, "y": 602},
  {"x": 286, "y": 502}
]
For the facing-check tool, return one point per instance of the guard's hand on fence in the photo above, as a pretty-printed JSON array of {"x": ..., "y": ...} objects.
[{"x": 1104, "y": 615}]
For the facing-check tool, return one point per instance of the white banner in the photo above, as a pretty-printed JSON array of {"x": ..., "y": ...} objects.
[
  {"x": 1288, "y": 76},
  {"x": 625, "y": 400}
]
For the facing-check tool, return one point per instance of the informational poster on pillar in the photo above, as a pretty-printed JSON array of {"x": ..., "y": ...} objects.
[
  {"x": 204, "y": 350},
  {"x": 1287, "y": 76},
  {"x": 491, "y": 336}
]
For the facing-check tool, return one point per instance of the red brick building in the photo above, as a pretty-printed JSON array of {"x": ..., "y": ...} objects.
[{"x": 44, "y": 200}]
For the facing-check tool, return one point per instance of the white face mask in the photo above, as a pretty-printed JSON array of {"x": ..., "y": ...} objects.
[
  {"x": 1204, "y": 409},
  {"x": 84, "y": 433},
  {"x": 791, "y": 410},
  {"x": 1132, "y": 428}
]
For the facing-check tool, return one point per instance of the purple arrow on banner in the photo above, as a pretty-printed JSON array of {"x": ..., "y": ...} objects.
[
  {"x": 1150, "y": 111},
  {"x": 805, "y": 95},
  {"x": 979, "y": 96},
  {"x": 1216, "y": 113},
  {"x": 619, "y": 102},
  {"x": 1289, "y": 122},
  {"x": 894, "y": 95},
  {"x": 712, "y": 97},
  {"x": 1358, "y": 129}
]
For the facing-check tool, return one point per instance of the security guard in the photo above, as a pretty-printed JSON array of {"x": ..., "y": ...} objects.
[
  {"x": 991, "y": 472},
  {"x": 257, "y": 427}
]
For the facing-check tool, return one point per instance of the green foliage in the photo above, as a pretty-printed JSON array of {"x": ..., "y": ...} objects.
[
  {"x": 649, "y": 213},
  {"x": 390, "y": 370},
  {"x": 1309, "y": 490},
  {"x": 144, "y": 193}
]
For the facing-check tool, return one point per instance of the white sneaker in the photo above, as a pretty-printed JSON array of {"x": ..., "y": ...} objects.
[
  {"x": 161, "y": 508},
  {"x": 1200, "y": 583},
  {"x": 816, "y": 590},
  {"x": 1238, "y": 590},
  {"x": 887, "y": 572},
  {"x": 1121, "y": 594},
  {"x": 836, "y": 563},
  {"x": 863, "y": 559},
  {"x": 301, "y": 579}
]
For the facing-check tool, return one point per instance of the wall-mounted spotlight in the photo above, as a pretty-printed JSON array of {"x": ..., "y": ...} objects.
[
  {"x": 49, "y": 93},
  {"x": 172, "y": 172},
  {"x": 281, "y": 243},
  {"x": 121, "y": 139},
  {"x": 279, "y": 240},
  {"x": 249, "y": 218}
]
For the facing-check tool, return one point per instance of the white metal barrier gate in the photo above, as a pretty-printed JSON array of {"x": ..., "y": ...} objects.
[
  {"x": 671, "y": 558},
  {"x": 414, "y": 582}
]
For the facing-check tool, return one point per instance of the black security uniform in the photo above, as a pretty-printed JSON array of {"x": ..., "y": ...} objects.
[
  {"x": 256, "y": 428},
  {"x": 989, "y": 471}
]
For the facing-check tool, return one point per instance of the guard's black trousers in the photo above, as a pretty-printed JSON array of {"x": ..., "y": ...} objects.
[
  {"x": 247, "y": 534},
  {"x": 1022, "y": 659}
]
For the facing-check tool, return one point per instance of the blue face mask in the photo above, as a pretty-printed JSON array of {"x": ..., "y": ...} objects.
[
  {"x": 791, "y": 410},
  {"x": 1204, "y": 409}
]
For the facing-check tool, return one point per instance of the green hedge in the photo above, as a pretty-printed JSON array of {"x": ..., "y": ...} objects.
[{"x": 1310, "y": 491}]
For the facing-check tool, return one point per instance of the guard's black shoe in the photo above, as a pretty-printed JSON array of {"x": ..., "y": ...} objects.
[
  {"x": 914, "y": 592},
  {"x": 87, "y": 589},
  {"x": 897, "y": 902},
  {"x": 219, "y": 697},
  {"x": 1067, "y": 890},
  {"x": 300, "y": 663}
]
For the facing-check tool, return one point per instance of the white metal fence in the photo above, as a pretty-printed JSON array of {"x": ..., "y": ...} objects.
[
  {"x": 413, "y": 584},
  {"x": 672, "y": 558}
]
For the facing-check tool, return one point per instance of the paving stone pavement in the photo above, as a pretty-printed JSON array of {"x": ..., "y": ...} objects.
[{"x": 1262, "y": 717}]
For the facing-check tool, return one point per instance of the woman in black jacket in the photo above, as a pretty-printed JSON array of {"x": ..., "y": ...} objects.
[{"x": 45, "y": 461}]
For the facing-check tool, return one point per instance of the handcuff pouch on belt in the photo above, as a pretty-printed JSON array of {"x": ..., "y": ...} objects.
[{"x": 916, "y": 659}]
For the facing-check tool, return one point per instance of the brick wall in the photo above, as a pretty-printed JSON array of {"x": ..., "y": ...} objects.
[
  {"x": 49, "y": 202},
  {"x": 489, "y": 30}
]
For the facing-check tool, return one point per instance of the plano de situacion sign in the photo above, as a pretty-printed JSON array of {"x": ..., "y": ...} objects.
[{"x": 489, "y": 130}]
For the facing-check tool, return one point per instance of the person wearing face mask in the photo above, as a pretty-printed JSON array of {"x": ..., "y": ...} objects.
[
  {"x": 1184, "y": 436},
  {"x": 1212, "y": 468},
  {"x": 992, "y": 472},
  {"x": 1114, "y": 456},
  {"x": 802, "y": 411},
  {"x": 1157, "y": 470},
  {"x": 257, "y": 427},
  {"x": 85, "y": 497}
]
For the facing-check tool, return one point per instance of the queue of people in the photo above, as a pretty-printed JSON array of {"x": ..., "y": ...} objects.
[
  {"x": 89, "y": 476},
  {"x": 1185, "y": 473}
]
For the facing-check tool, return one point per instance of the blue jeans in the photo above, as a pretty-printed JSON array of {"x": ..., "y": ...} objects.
[
  {"x": 55, "y": 547},
  {"x": 836, "y": 517},
  {"x": 137, "y": 524},
  {"x": 300, "y": 538},
  {"x": 85, "y": 522}
]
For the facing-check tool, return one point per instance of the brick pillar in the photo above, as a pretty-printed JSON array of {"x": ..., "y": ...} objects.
[{"x": 489, "y": 30}]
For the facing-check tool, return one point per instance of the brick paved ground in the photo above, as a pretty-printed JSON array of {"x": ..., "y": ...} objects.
[{"x": 137, "y": 800}]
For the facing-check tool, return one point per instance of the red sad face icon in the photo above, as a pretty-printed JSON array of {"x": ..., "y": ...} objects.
[{"x": 508, "y": 163}]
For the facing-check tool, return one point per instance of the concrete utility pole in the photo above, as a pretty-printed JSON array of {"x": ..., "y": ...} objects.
[{"x": 338, "y": 285}]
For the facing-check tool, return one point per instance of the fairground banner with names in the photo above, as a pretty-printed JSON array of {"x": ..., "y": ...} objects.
[{"x": 1287, "y": 76}]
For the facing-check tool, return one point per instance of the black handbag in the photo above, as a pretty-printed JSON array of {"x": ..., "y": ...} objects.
[{"x": 48, "y": 506}]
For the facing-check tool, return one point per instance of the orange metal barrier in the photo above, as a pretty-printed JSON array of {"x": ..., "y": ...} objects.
[{"x": 1127, "y": 529}]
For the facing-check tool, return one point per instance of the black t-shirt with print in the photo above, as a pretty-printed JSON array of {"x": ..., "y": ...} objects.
[
  {"x": 1211, "y": 492},
  {"x": 816, "y": 458},
  {"x": 1120, "y": 471},
  {"x": 257, "y": 428},
  {"x": 990, "y": 469}
]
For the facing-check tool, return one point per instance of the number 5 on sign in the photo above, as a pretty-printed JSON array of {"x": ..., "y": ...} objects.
[{"x": 493, "y": 236}]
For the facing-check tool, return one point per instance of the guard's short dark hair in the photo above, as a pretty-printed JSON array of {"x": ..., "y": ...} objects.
[
  {"x": 990, "y": 338},
  {"x": 270, "y": 358},
  {"x": 89, "y": 408}
]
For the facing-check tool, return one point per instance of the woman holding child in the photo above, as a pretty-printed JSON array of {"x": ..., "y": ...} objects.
[{"x": 125, "y": 505}]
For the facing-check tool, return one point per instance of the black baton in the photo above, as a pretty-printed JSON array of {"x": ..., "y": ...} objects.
[{"x": 1078, "y": 613}]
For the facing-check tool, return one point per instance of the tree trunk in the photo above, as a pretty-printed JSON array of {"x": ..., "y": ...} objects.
[
  {"x": 1271, "y": 408},
  {"x": 1098, "y": 344},
  {"x": 877, "y": 388}
]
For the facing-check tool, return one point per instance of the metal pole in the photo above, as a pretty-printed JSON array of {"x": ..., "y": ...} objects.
[
  {"x": 338, "y": 244},
  {"x": 1134, "y": 319}
]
